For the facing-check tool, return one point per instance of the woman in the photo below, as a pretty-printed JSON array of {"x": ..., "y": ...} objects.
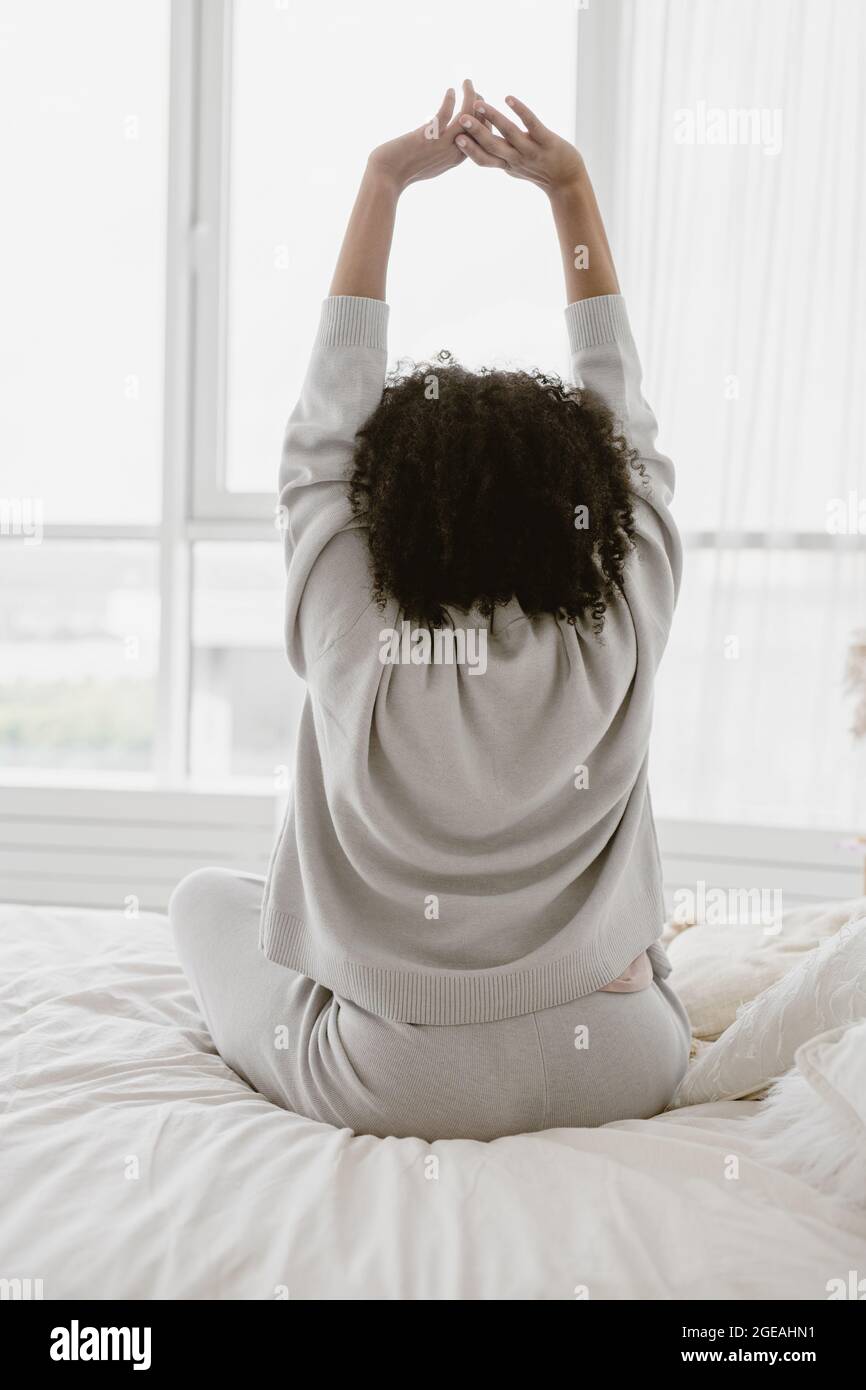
[{"x": 458, "y": 933}]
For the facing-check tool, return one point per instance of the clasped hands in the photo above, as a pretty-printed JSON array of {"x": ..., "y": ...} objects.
[{"x": 484, "y": 135}]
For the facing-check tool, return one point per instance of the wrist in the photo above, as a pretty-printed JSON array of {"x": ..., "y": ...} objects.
[
  {"x": 570, "y": 189},
  {"x": 382, "y": 180}
]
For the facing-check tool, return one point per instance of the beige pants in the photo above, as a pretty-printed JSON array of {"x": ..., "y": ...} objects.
[{"x": 607, "y": 1056}]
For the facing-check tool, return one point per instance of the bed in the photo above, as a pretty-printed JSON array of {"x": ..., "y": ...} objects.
[{"x": 135, "y": 1164}]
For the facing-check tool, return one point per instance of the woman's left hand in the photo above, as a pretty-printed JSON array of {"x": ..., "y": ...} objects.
[
  {"x": 428, "y": 151},
  {"x": 528, "y": 152}
]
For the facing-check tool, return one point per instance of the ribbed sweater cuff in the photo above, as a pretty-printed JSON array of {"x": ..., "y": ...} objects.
[
  {"x": 350, "y": 321},
  {"x": 595, "y": 322}
]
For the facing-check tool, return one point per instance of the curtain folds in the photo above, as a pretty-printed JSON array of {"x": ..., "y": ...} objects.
[{"x": 729, "y": 145}]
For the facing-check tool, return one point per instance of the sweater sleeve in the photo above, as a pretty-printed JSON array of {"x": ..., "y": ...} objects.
[
  {"x": 605, "y": 360},
  {"x": 327, "y": 586}
]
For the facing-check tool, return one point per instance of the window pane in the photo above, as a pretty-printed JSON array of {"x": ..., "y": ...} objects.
[
  {"x": 83, "y": 106},
  {"x": 752, "y": 719},
  {"x": 246, "y": 700},
  {"x": 475, "y": 265},
  {"x": 79, "y": 631}
]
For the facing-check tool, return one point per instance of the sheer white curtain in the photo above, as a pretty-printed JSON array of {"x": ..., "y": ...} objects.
[{"x": 729, "y": 147}]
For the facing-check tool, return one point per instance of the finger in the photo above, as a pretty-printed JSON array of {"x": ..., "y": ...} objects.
[
  {"x": 513, "y": 134},
  {"x": 446, "y": 110},
  {"x": 471, "y": 99},
  {"x": 469, "y": 95},
  {"x": 473, "y": 150},
  {"x": 529, "y": 118},
  {"x": 479, "y": 111},
  {"x": 491, "y": 144}
]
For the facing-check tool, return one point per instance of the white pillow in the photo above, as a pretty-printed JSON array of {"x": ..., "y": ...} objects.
[
  {"x": 719, "y": 967},
  {"x": 813, "y": 1123},
  {"x": 826, "y": 990},
  {"x": 834, "y": 1064}
]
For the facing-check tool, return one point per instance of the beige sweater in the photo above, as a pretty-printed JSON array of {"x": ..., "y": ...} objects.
[{"x": 444, "y": 859}]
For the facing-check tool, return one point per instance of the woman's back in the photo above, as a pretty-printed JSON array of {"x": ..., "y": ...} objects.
[{"x": 469, "y": 837}]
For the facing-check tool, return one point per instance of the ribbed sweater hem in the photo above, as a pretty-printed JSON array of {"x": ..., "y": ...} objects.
[
  {"x": 348, "y": 321},
  {"x": 597, "y": 322},
  {"x": 468, "y": 996}
]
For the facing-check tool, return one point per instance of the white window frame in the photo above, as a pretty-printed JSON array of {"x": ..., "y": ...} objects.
[
  {"x": 201, "y": 102},
  {"x": 197, "y": 505}
]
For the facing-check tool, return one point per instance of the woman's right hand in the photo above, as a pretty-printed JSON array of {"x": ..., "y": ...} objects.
[
  {"x": 428, "y": 151},
  {"x": 534, "y": 153}
]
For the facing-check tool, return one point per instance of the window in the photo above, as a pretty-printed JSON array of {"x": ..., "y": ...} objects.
[
  {"x": 295, "y": 160},
  {"x": 161, "y": 296},
  {"x": 142, "y": 604},
  {"x": 79, "y": 636},
  {"x": 82, "y": 277},
  {"x": 82, "y": 282},
  {"x": 246, "y": 699}
]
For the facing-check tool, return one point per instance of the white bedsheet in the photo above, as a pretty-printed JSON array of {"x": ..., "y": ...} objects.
[{"x": 106, "y": 1071}]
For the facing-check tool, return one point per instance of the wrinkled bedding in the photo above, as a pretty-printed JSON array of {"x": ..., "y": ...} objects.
[{"x": 135, "y": 1164}]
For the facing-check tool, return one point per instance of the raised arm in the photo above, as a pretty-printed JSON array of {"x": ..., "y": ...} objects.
[
  {"x": 603, "y": 353},
  {"x": 362, "y": 266},
  {"x": 327, "y": 586},
  {"x": 542, "y": 157}
]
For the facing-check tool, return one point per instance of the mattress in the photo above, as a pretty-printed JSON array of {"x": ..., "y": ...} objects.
[{"x": 135, "y": 1164}]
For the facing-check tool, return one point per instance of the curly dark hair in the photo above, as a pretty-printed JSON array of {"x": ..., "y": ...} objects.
[{"x": 469, "y": 484}]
